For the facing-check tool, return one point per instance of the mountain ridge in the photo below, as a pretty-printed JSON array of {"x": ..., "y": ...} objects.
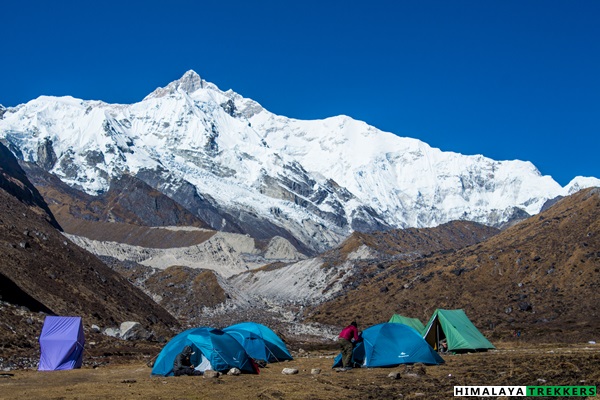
[{"x": 243, "y": 169}]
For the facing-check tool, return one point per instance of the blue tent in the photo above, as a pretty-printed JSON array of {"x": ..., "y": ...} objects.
[
  {"x": 391, "y": 344},
  {"x": 260, "y": 342},
  {"x": 61, "y": 343},
  {"x": 219, "y": 348}
]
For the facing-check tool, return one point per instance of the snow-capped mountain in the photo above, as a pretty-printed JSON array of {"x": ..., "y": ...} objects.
[{"x": 244, "y": 169}]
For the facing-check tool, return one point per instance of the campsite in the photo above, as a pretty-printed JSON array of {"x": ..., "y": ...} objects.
[
  {"x": 127, "y": 376},
  {"x": 117, "y": 369},
  {"x": 298, "y": 200}
]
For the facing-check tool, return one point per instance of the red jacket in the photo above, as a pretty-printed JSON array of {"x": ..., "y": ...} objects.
[{"x": 349, "y": 332}]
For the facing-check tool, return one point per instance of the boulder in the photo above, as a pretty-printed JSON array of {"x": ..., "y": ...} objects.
[
  {"x": 289, "y": 371},
  {"x": 210, "y": 374},
  {"x": 131, "y": 330},
  {"x": 394, "y": 375}
]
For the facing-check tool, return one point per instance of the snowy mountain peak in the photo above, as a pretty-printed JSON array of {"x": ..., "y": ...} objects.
[
  {"x": 188, "y": 83},
  {"x": 240, "y": 167},
  {"x": 581, "y": 182}
]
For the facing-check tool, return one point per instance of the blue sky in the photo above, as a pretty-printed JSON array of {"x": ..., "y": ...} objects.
[{"x": 506, "y": 79}]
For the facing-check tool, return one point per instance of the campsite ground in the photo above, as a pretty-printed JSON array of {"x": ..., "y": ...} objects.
[{"x": 512, "y": 364}]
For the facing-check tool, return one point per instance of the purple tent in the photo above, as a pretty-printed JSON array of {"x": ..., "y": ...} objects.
[{"x": 61, "y": 343}]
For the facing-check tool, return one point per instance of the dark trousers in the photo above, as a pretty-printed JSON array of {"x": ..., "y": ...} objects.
[
  {"x": 346, "y": 347},
  {"x": 186, "y": 371}
]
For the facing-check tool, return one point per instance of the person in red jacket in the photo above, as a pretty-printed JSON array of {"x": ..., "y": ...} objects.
[{"x": 348, "y": 336}]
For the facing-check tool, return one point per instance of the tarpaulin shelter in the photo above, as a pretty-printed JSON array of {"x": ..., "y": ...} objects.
[
  {"x": 61, "y": 343},
  {"x": 389, "y": 345},
  {"x": 457, "y": 329},
  {"x": 259, "y": 341},
  {"x": 412, "y": 322},
  {"x": 213, "y": 349}
]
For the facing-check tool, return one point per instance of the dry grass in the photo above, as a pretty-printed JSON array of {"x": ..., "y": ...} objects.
[{"x": 512, "y": 364}]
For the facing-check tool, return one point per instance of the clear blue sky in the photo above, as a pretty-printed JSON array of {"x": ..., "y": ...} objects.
[{"x": 509, "y": 79}]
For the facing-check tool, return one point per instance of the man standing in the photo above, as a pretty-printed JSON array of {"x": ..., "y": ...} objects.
[{"x": 348, "y": 336}]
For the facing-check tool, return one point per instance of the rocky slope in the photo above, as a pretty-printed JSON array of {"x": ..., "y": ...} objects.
[
  {"x": 127, "y": 201},
  {"x": 42, "y": 271},
  {"x": 540, "y": 276},
  {"x": 278, "y": 293},
  {"x": 226, "y": 253}
]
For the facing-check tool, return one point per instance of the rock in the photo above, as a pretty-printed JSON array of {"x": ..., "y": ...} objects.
[
  {"x": 95, "y": 329},
  {"x": 134, "y": 331},
  {"x": 46, "y": 156},
  {"x": 524, "y": 306},
  {"x": 394, "y": 375},
  {"x": 113, "y": 332},
  {"x": 209, "y": 374},
  {"x": 234, "y": 372},
  {"x": 315, "y": 371},
  {"x": 414, "y": 371},
  {"x": 289, "y": 371}
]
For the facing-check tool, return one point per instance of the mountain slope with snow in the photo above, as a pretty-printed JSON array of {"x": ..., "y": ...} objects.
[{"x": 245, "y": 170}]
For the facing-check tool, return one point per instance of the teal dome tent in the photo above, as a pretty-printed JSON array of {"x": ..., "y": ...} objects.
[
  {"x": 213, "y": 348},
  {"x": 259, "y": 341},
  {"x": 391, "y": 344}
]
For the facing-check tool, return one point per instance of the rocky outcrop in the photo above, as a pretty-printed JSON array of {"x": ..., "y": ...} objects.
[
  {"x": 46, "y": 157},
  {"x": 129, "y": 330},
  {"x": 128, "y": 200}
]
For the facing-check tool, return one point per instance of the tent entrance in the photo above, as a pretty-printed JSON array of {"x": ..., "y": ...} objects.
[
  {"x": 455, "y": 327},
  {"x": 435, "y": 334}
]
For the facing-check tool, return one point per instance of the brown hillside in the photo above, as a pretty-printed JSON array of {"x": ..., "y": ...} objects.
[
  {"x": 43, "y": 271},
  {"x": 183, "y": 291},
  {"x": 135, "y": 235},
  {"x": 413, "y": 241},
  {"x": 14, "y": 182},
  {"x": 540, "y": 276}
]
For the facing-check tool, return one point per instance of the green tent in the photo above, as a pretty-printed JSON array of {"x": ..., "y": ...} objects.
[
  {"x": 412, "y": 322},
  {"x": 457, "y": 329}
]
